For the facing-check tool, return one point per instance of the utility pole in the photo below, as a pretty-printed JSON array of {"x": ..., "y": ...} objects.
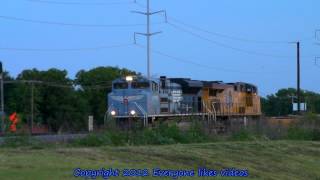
[
  {"x": 316, "y": 61},
  {"x": 2, "y": 99},
  {"x": 298, "y": 77},
  {"x": 316, "y": 37},
  {"x": 32, "y": 107},
  {"x": 316, "y": 34},
  {"x": 148, "y": 34}
]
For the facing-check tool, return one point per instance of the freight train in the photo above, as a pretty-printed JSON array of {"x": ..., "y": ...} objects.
[{"x": 138, "y": 97}]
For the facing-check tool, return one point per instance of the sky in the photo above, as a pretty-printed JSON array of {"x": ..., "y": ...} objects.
[{"x": 249, "y": 41}]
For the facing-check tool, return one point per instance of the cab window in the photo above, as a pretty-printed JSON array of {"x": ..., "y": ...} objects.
[
  {"x": 122, "y": 85},
  {"x": 154, "y": 86},
  {"x": 213, "y": 92},
  {"x": 235, "y": 88},
  {"x": 140, "y": 85}
]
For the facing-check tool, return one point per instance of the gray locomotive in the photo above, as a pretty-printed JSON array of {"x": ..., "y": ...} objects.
[{"x": 139, "y": 97}]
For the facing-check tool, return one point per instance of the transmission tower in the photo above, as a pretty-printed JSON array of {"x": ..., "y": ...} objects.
[
  {"x": 148, "y": 34},
  {"x": 317, "y": 38},
  {"x": 316, "y": 34},
  {"x": 316, "y": 61}
]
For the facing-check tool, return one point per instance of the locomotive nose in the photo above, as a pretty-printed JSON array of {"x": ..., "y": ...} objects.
[{"x": 127, "y": 104}]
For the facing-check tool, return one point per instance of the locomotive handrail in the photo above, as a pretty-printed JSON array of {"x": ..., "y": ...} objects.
[
  {"x": 140, "y": 108},
  {"x": 186, "y": 107},
  {"x": 214, "y": 112},
  {"x": 107, "y": 114},
  {"x": 145, "y": 115},
  {"x": 210, "y": 113}
]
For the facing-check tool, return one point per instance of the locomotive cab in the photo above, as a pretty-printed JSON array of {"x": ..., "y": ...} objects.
[{"x": 133, "y": 96}]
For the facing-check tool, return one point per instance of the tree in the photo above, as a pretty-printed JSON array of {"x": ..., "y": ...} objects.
[
  {"x": 95, "y": 84},
  {"x": 9, "y": 93},
  {"x": 313, "y": 101},
  {"x": 56, "y": 102},
  {"x": 280, "y": 103}
]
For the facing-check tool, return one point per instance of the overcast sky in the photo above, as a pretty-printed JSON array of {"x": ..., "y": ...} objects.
[{"x": 227, "y": 40}]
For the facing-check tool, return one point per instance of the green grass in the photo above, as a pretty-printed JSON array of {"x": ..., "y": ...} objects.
[{"x": 264, "y": 159}]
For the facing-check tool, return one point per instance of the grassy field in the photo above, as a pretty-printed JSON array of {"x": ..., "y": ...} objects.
[{"x": 264, "y": 160}]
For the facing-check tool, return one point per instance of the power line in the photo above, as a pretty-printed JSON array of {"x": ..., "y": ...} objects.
[
  {"x": 65, "y": 49},
  {"x": 70, "y": 86},
  {"x": 197, "y": 64},
  {"x": 233, "y": 37},
  {"x": 218, "y": 34},
  {"x": 225, "y": 35},
  {"x": 225, "y": 45},
  {"x": 71, "y": 24},
  {"x": 58, "y": 85},
  {"x": 79, "y": 3},
  {"x": 71, "y": 83},
  {"x": 91, "y": 84}
]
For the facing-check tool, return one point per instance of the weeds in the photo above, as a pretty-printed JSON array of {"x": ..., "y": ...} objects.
[
  {"x": 165, "y": 133},
  {"x": 21, "y": 141},
  {"x": 161, "y": 135}
]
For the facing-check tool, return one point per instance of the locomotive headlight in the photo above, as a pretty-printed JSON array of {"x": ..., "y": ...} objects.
[
  {"x": 132, "y": 112},
  {"x": 113, "y": 113},
  {"x": 129, "y": 78}
]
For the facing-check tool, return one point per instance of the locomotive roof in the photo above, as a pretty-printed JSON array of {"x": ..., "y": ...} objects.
[
  {"x": 135, "y": 78},
  {"x": 187, "y": 82},
  {"x": 247, "y": 84},
  {"x": 188, "y": 86},
  {"x": 218, "y": 85}
]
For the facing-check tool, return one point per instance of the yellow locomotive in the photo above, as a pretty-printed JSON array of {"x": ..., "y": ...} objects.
[{"x": 226, "y": 99}]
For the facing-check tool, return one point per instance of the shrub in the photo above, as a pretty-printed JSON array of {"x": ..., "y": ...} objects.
[
  {"x": 16, "y": 141},
  {"x": 316, "y": 135},
  {"x": 157, "y": 136},
  {"x": 295, "y": 133},
  {"x": 242, "y": 135},
  {"x": 21, "y": 141},
  {"x": 170, "y": 134},
  {"x": 196, "y": 133},
  {"x": 117, "y": 138},
  {"x": 93, "y": 140}
]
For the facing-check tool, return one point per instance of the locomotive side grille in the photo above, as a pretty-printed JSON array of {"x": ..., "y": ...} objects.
[
  {"x": 164, "y": 100},
  {"x": 249, "y": 100},
  {"x": 164, "y": 110}
]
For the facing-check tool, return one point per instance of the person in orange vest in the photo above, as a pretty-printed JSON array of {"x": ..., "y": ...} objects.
[{"x": 14, "y": 119}]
